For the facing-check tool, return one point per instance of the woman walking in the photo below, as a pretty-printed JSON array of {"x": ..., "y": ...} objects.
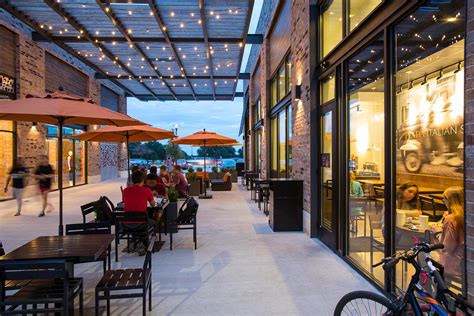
[
  {"x": 45, "y": 174},
  {"x": 18, "y": 175}
]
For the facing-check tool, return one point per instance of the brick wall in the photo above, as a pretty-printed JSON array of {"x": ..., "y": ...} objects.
[
  {"x": 31, "y": 79},
  {"x": 469, "y": 152},
  {"x": 301, "y": 109}
]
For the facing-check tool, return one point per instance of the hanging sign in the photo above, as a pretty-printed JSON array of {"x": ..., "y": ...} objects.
[{"x": 7, "y": 85}]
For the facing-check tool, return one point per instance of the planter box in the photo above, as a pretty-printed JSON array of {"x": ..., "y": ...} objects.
[
  {"x": 234, "y": 176},
  {"x": 213, "y": 175},
  {"x": 171, "y": 215},
  {"x": 195, "y": 187}
]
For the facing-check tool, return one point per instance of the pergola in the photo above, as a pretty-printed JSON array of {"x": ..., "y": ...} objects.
[{"x": 153, "y": 49}]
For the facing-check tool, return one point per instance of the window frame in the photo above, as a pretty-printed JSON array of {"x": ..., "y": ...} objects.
[{"x": 274, "y": 81}]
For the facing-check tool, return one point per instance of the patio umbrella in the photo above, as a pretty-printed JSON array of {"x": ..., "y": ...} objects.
[
  {"x": 126, "y": 134},
  {"x": 205, "y": 139},
  {"x": 61, "y": 108}
]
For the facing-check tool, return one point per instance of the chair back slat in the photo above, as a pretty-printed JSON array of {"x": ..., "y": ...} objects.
[
  {"x": 88, "y": 228},
  {"x": 40, "y": 269},
  {"x": 131, "y": 216},
  {"x": 87, "y": 209}
]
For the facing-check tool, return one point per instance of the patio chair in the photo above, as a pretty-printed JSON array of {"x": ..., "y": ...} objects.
[
  {"x": 129, "y": 282},
  {"x": 87, "y": 209},
  {"x": 125, "y": 231},
  {"x": 224, "y": 184},
  {"x": 93, "y": 228},
  {"x": 431, "y": 207},
  {"x": 12, "y": 285},
  {"x": 49, "y": 289},
  {"x": 186, "y": 220}
]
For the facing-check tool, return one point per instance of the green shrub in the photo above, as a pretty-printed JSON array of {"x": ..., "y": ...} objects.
[
  {"x": 191, "y": 175},
  {"x": 231, "y": 170},
  {"x": 172, "y": 194},
  {"x": 199, "y": 169},
  {"x": 214, "y": 169},
  {"x": 223, "y": 169}
]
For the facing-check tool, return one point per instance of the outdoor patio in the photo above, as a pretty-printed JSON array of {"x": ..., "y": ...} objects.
[{"x": 240, "y": 267}]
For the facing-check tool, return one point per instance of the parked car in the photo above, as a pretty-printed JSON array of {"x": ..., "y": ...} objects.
[
  {"x": 183, "y": 163},
  {"x": 228, "y": 163}
]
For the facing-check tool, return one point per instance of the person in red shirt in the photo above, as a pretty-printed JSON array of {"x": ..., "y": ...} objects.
[
  {"x": 180, "y": 182},
  {"x": 164, "y": 177},
  {"x": 154, "y": 185},
  {"x": 136, "y": 199}
]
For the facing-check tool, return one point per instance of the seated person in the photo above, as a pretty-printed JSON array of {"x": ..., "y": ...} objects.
[
  {"x": 164, "y": 177},
  {"x": 180, "y": 182},
  {"x": 407, "y": 199},
  {"x": 129, "y": 180},
  {"x": 136, "y": 199},
  {"x": 355, "y": 186},
  {"x": 151, "y": 182}
]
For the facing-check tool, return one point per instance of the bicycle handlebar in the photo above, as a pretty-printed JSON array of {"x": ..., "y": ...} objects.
[{"x": 390, "y": 262}]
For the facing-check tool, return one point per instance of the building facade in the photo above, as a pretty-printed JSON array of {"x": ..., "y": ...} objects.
[
  {"x": 29, "y": 67},
  {"x": 368, "y": 102}
]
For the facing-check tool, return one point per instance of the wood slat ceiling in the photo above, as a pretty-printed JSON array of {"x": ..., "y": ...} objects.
[{"x": 138, "y": 65}]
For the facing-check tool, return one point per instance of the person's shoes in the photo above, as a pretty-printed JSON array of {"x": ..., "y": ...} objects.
[
  {"x": 41, "y": 214},
  {"x": 18, "y": 213},
  {"x": 140, "y": 249}
]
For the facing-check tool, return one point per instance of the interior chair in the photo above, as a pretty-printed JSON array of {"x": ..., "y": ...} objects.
[
  {"x": 376, "y": 237},
  {"x": 358, "y": 212},
  {"x": 127, "y": 283},
  {"x": 379, "y": 198},
  {"x": 49, "y": 289},
  {"x": 93, "y": 228},
  {"x": 186, "y": 219}
]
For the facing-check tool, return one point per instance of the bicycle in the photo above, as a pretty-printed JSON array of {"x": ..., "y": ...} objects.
[{"x": 415, "y": 301}]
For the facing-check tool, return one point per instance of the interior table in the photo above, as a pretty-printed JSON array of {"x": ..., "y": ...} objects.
[{"x": 72, "y": 248}]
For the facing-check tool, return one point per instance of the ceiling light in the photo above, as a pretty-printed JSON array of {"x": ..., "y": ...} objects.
[
  {"x": 212, "y": 12},
  {"x": 192, "y": 13},
  {"x": 218, "y": 17},
  {"x": 181, "y": 25},
  {"x": 172, "y": 13},
  {"x": 129, "y": 12},
  {"x": 199, "y": 21}
]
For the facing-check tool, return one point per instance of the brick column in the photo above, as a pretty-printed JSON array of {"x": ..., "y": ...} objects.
[
  {"x": 301, "y": 109},
  {"x": 266, "y": 106},
  {"x": 469, "y": 148}
]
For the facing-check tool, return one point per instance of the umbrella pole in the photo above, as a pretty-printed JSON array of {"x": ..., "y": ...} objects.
[
  {"x": 128, "y": 156},
  {"x": 205, "y": 196},
  {"x": 60, "y": 174}
]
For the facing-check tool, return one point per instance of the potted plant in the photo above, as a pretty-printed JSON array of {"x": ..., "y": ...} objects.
[
  {"x": 213, "y": 174},
  {"x": 194, "y": 182},
  {"x": 172, "y": 208},
  {"x": 233, "y": 175}
]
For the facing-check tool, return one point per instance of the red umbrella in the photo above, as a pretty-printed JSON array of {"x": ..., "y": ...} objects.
[{"x": 61, "y": 108}]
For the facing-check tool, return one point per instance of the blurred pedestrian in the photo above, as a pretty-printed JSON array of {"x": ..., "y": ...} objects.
[
  {"x": 18, "y": 176},
  {"x": 45, "y": 175}
]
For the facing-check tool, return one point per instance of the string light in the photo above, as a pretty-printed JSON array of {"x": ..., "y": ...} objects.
[
  {"x": 129, "y": 31},
  {"x": 181, "y": 25},
  {"x": 212, "y": 12},
  {"x": 172, "y": 13},
  {"x": 151, "y": 13},
  {"x": 97, "y": 32},
  {"x": 199, "y": 21},
  {"x": 129, "y": 12},
  {"x": 195, "y": 48},
  {"x": 192, "y": 14},
  {"x": 164, "y": 28},
  {"x": 107, "y": 9},
  {"x": 163, "y": 48},
  {"x": 218, "y": 17}
]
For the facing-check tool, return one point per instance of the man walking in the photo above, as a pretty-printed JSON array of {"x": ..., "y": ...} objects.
[{"x": 18, "y": 175}]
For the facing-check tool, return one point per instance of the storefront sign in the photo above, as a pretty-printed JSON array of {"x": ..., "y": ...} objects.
[{"x": 7, "y": 85}]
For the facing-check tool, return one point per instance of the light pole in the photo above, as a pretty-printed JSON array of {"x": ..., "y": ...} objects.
[{"x": 176, "y": 129}]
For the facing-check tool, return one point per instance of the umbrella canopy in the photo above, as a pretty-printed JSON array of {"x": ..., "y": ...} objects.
[
  {"x": 132, "y": 134},
  {"x": 71, "y": 109},
  {"x": 205, "y": 139},
  {"x": 126, "y": 134},
  {"x": 61, "y": 108}
]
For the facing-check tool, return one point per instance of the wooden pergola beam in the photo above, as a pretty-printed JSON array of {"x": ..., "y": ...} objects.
[
  {"x": 84, "y": 33},
  {"x": 241, "y": 76},
  {"x": 121, "y": 28},
  {"x": 159, "y": 21},
  {"x": 206, "y": 40}
]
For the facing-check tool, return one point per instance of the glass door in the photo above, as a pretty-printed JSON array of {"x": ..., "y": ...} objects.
[{"x": 328, "y": 214}]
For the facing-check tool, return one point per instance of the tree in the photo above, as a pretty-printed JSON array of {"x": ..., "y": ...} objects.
[
  {"x": 240, "y": 152},
  {"x": 149, "y": 151},
  {"x": 174, "y": 151},
  {"x": 219, "y": 151}
]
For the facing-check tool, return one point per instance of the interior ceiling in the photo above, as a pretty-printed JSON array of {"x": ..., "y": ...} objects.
[{"x": 154, "y": 50}]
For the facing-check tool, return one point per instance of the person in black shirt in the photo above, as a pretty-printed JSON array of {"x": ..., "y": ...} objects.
[
  {"x": 18, "y": 175},
  {"x": 45, "y": 174}
]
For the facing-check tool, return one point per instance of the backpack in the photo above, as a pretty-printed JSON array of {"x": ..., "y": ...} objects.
[
  {"x": 103, "y": 211},
  {"x": 188, "y": 209}
]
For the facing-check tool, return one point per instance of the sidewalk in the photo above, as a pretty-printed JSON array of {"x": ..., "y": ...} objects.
[{"x": 240, "y": 267}]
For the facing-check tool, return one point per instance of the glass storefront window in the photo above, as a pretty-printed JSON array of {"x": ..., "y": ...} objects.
[
  {"x": 331, "y": 26},
  {"x": 288, "y": 73},
  {"x": 359, "y": 10},
  {"x": 257, "y": 149},
  {"x": 281, "y": 83},
  {"x": 366, "y": 158},
  {"x": 274, "y": 148},
  {"x": 290, "y": 140},
  {"x": 282, "y": 143},
  {"x": 328, "y": 89},
  {"x": 6, "y": 156},
  {"x": 274, "y": 92},
  {"x": 430, "y": 134}
]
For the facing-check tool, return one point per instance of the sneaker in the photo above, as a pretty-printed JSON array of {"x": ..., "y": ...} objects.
[
  {"x": 41, "y": 214},
  {"x": 17, "y": 213}
]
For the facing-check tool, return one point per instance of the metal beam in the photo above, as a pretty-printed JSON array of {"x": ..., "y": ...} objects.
[
  {"x": 82, "y": 30},
  {"x": 190, "y": 97},
  {"x": 244, "y": 75},
  {"x": 251, "y": 39},
  {"x": 161, "y": 25},
  {"x": 121, "y": 28},
  {"x": 101, "y": 76},
  {"x": 254, "y": 39},
  {"x": 206, "y": 40},
  {"x": 4, "y": 4},
  {"x": 246, "y": 29}
]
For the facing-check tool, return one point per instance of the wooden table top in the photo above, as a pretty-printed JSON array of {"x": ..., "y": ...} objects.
[
  {"x": 370, "y": 181},
  {"x": 71, "y": 248}
]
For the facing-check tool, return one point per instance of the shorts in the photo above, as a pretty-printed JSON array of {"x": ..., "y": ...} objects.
[{"x": 44, "y": 189}]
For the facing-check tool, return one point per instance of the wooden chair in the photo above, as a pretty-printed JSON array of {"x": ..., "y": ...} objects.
[
  {"x": 87, "y": 209},
  {"x": 429, "y": 206},
  {"x": 93, "y": 228},
  {"x": 379, "y": 198},
  {"x": 134, "y": 282},
  {"x": 49, "y": 289},
  {"x": 186, "y": 220},
  {"x": 12, "y": 285},
  {"x": 126, "y": 232},
  {"x": 377, "y": 243}
]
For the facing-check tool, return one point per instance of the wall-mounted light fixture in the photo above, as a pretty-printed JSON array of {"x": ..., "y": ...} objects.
[{"x": 297, "y": 92}]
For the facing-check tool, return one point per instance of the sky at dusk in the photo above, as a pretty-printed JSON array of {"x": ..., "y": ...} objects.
[{"x": 222, "y": 117}]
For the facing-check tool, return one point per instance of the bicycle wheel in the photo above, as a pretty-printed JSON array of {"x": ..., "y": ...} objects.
[{"x": 363, "y": 303}]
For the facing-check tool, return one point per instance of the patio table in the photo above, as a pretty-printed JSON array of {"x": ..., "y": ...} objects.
[{"x": 72, "y": 248}]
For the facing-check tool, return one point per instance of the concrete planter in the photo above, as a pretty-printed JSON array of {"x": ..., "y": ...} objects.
[
  {"x": 195, "y": 187},
  {"x": 171, "y": 215},
  {"x": 234, "y": 176}
]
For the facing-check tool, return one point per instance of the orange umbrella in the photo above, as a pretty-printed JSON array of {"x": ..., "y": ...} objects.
[
  {"x": 126, "y": 134},
  {"x": 61, "y": 108},
  {"x": 205, "y": 139}
]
